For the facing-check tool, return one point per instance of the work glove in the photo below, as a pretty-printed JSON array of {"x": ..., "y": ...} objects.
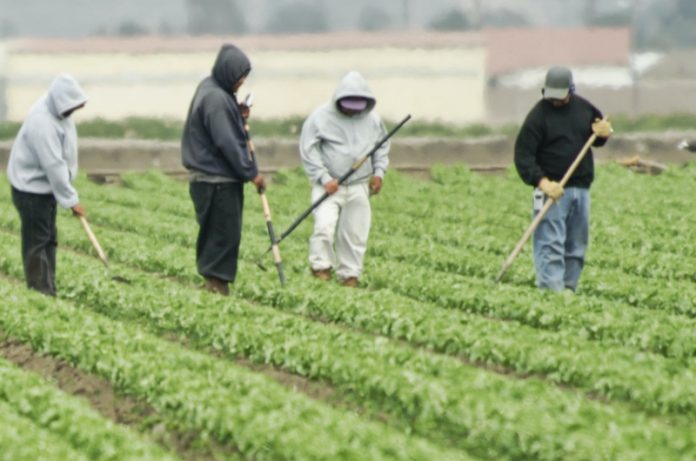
[
  {"x": 551, "y": 188},
  {"x": 684, "y": 144},
  {"x": 602, "y": 128}
]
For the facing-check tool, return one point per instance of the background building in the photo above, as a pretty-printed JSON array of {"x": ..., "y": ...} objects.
[
  {"x": 460, "y": 61},
  {"x": 439, "y": 76}
]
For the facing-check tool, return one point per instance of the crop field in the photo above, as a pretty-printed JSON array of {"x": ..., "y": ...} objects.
[{"x": 426, "y": 360}]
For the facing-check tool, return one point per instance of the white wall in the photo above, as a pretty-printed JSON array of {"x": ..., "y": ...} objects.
[{"x": 444, "y": 84}]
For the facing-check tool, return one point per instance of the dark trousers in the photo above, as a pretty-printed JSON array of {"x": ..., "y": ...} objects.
[
  {"x": 39, "y": 239},
  {"x": 219, "y": 215}
]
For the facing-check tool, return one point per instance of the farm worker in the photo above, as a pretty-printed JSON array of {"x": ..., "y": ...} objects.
[
  {"x": 686, "y": 145},
  {"x": 214, "y": 150},
  {"x": 334, "y": 136},
  {"x": 41, "y": 169},
  {"x": 549, "y": 140}
]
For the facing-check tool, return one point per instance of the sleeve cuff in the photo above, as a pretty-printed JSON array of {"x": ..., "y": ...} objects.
[
  {"x": 68, "y": 204},
  {"x": 379, "y": 172},
  {"x": 325, "y": 178}
]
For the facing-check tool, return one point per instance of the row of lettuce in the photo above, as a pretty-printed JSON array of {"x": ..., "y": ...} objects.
[
  {"x": 229, "y": 403},
  {"x": 432, "y": 395},
  {"x": 430, "y": 286}
]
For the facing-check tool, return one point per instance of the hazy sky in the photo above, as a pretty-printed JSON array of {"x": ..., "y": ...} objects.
[{"x": 74, "y": 18}]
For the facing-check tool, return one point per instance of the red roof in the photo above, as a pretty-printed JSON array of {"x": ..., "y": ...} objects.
[{"x": 510, "y": 50}]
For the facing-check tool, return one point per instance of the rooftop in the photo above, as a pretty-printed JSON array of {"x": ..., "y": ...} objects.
[{"x": 511, "y": 50}]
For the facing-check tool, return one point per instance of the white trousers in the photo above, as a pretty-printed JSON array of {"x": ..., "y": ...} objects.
[{"x": 344, "y": 217}]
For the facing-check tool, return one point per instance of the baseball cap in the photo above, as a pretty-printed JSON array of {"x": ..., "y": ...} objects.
[
  {"x": 559, "y": 79},
  {"x": 353, "y": 103}
]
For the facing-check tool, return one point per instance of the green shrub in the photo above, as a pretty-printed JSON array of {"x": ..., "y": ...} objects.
[{"x": 170, "y": 130}]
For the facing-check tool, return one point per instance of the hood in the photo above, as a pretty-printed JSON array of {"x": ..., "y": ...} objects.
[
  {"x": 231, "y": 65},
  {"x": 65, "y": 94},
  {"x": 354, "y": 84}
]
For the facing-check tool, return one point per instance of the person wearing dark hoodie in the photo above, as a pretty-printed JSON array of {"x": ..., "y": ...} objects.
[
  {"x": 41, "y": 169},
  {"x": 333, "y": 138},
  {"x": 214, "y": 150},
  {"x": 552, "y": 135}
]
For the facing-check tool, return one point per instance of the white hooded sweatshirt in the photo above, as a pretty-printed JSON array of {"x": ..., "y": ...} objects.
[
  {"x": 43, "y": 159},
  {"x": 331, "y": 141}
]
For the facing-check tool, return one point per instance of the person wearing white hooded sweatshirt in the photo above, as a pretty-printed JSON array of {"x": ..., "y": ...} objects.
[
  {"x": 41, "y": 168},
  {"x": 334, "y": 137}
]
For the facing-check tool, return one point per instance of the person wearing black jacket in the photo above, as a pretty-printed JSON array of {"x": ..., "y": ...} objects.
[
  {"x": 214, "y": 151},
  {"x": 549, "y": 140},
  {"x": 687, "y": 145}
]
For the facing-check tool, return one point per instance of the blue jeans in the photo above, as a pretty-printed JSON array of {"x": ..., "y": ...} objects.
[{"x": 560, "y": 241}]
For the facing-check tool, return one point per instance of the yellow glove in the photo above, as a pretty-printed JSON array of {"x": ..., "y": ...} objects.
[
  {"x": 602, "y": 128},
  {"x": 551, "y": 188}
]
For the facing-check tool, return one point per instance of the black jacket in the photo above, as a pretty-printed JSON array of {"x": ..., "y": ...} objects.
[
  {"x": 214, "y": 139},
  {"x": 551, "y": 138}
]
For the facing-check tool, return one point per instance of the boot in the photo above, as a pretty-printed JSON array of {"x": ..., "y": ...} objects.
[
  {"x": 351, "y": 282},
  {"x": 217, "y": 286},
  {"x": 322, "y": 274}
]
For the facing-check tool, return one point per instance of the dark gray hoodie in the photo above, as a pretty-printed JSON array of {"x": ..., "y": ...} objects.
[{"x": 214, "y": 139}]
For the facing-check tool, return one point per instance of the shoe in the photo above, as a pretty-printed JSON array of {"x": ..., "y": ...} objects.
[
  {"x": 350, "y": 282},
  {"x": 322, "y": 274},
  {"x": 217, "y": 286}
]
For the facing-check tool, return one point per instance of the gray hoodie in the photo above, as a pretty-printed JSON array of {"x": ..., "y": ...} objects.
[
  {"x": 332, "y": 141},
  {"x": 43, "y": 159}
]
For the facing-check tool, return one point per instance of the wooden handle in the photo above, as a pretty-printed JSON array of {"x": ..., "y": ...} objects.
[
  {"x": 94, "y": 241},
  {"x": 271, "y": 232},
  {"x": 265, "y": 206}
]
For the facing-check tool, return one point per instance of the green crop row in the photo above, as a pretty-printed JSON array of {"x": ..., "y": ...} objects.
[
  {"x": 262, "y": 418},
  {"x": 435, "y": 248},
  {"x": 667, "y": 335},
  {"x": 21, "y": 440},
  {"x": 658, "y": 332},
  {"x": 450, "y": 246},
  {"x": 437, "y": 394},
  {"x": 70, "y": 419}
]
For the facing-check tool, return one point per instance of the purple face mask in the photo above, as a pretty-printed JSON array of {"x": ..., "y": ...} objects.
[{"x": 356, "y": 104}]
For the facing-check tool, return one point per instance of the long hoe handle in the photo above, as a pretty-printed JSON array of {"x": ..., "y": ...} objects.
[
  {"x": 267, "y": 215},
  {"x": 549, "y": 203},
  {"x": 271, "y": 234},
  {"x": 94, "y": 241}
]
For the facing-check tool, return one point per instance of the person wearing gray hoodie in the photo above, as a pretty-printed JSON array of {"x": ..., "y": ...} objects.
[
  {"x": 41, "y": 169},
  {"x": 333, "y": 138},
  {"x": 214, "y": 150}
]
